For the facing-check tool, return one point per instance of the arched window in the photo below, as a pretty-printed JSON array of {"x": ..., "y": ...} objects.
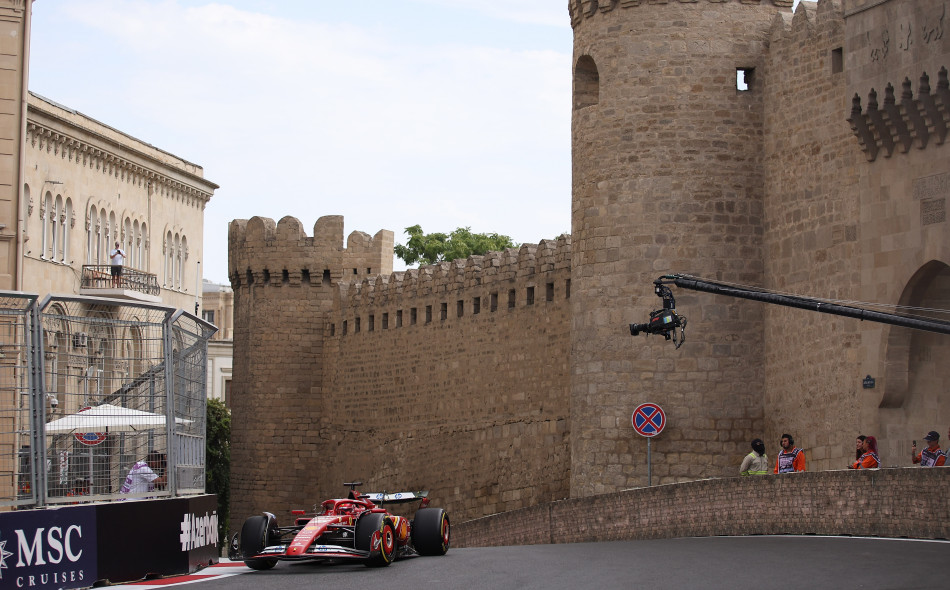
[
  {"x": 168, "y": 248},
  {"x": 135, "y": 252},
  {"x": 176, "y": 262},
  {"x": 64, "y": 221},
  {"x": 586, "y": 83},
  {"x": 46, "y": 212},
  {"x": 128, "y": 241},
  {"x": 143, "y": 249},
  {"x": 112, "y": 235},
  {"x": 183, "y": 256},
  {"x": 55, "y": 248},
  {"x": 92, "y": 223},
  {"x": 102, "y": 248}
]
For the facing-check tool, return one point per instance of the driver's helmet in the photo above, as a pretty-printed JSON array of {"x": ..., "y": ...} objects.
[{"x": 345, "y": 508}]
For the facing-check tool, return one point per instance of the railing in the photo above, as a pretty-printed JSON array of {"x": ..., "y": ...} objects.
[{"x": 99, "y": 276}]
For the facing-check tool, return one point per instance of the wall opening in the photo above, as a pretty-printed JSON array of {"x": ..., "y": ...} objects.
[
  {"x": 916, "y": 378},
  {"x": 837, "y": 60},
  {"x": 586, "y": 83},
  {"x": 744, "y": 79}
]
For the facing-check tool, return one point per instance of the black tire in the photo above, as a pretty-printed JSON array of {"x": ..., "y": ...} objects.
[
  {"x": 255, "y": 535},
  {"x": 430, "y": 531},
  {"x": 385, "y": 552}
]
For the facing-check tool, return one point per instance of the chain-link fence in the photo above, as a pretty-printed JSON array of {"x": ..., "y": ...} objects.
[{"x": 102, "y": 400}]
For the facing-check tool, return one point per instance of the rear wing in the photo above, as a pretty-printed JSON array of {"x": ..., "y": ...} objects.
[{"x": 395, "y": 498}]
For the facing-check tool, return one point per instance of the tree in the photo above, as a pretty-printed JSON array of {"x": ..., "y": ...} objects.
[
  {"x": 218, "y": 461},
  {"x": 439, "y": 247}
]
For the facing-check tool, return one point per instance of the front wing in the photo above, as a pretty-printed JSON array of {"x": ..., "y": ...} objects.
[{"x": 313, "y": 552}]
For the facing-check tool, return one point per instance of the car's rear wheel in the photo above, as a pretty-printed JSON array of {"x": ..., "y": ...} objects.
[
  {"x": 430, "y": 531},
  {"x": 255, "y": 535},
  {"x": 375, "y": 533}
]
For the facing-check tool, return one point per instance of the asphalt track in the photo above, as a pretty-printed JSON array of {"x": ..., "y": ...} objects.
[{"x": 761, "y": 562}]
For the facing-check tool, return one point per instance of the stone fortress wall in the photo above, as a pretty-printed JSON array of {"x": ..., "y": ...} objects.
[
  {"x": 451, "y": 376},
  {"x": 507, "y": 381}
]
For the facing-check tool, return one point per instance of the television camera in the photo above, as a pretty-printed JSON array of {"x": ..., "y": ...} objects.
[{"x": 663, "y": 321}]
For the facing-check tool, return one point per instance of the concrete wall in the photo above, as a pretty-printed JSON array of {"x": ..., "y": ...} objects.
[{"x": 887, "y": 503}]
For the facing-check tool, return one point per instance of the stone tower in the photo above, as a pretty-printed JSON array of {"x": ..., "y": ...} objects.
[
  {"x": 284, "y": 284},
  {"x": 667, "y": 178}
]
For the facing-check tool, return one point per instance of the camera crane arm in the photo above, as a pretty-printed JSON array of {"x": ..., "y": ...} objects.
[{"x": 930, "y": 325}]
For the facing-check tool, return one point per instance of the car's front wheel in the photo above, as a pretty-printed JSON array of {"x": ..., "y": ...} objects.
[
  {"x": 375, "y": 533},
  {"x": 255, "y": 535}
]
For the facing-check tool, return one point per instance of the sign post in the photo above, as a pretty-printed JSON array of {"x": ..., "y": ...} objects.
[{"x": 648, "y": 420}]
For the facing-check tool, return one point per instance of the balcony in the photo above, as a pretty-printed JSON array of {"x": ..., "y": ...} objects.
[{"x": 134, "y": 284}]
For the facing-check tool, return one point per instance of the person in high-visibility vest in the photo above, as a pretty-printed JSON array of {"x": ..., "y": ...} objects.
[
  {"x": 932, "y": 456},
  {"x": 869, "y": 459},
  {"x": 791, "y": 458},
  {"x": 756, "y": 462}
]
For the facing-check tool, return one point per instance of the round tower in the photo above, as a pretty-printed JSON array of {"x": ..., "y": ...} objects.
[{"x": 667, "y": 178}]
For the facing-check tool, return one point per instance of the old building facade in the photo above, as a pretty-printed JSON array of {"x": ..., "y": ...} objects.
[{"x": 732, "y": 140}]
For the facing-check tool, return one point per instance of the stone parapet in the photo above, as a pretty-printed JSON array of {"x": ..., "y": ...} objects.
[
  {"x": 581, "y": 9},
  {"x": 883, "y": 503}
]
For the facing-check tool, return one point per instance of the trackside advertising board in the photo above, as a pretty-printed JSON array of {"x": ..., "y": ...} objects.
[
  {"x": 53, "y": 548},
  {"x": 76, "y": 546}
]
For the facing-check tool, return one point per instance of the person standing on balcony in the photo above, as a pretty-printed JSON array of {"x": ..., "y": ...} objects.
[{"x": 118, "y": 259}]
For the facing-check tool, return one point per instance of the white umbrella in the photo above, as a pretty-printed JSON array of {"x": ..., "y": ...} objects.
[{"x": 109, "y": 418}]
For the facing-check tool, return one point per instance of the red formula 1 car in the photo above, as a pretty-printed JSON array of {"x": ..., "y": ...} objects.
[{"x": 355, "y": 527}]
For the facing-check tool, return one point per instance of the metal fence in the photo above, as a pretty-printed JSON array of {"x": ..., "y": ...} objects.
[{"x": 101, "y": 400}]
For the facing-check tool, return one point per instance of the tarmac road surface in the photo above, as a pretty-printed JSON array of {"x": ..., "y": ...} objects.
[{"x": 781, "y": 562}]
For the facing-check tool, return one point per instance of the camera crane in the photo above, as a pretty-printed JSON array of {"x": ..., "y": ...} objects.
[{"x": 665, "y": 321}]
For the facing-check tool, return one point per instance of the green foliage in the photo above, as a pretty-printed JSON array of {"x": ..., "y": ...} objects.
[
  {"x": 218, "y": 462},
  {"x": 439, "y": 247}
]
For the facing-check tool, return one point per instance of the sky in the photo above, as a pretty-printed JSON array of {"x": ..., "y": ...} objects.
[
  {"x": 392, "y": 113},
  {"x": 443, "y": 113}
]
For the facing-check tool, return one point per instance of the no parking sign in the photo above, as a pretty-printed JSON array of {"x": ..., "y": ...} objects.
[{"x": 648, "y": 420}]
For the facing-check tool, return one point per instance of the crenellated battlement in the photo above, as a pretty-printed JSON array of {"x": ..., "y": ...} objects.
[
  {"x": 809, "y": 24},
  {"x": 531, "y": 265},
  {"x": 904, "y": 122},
  {"x": 262, "y": 252},
  {"x": 581, "y": 9}
]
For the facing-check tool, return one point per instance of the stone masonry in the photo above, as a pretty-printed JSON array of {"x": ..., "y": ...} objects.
[{"x": 727, "y": 139}]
